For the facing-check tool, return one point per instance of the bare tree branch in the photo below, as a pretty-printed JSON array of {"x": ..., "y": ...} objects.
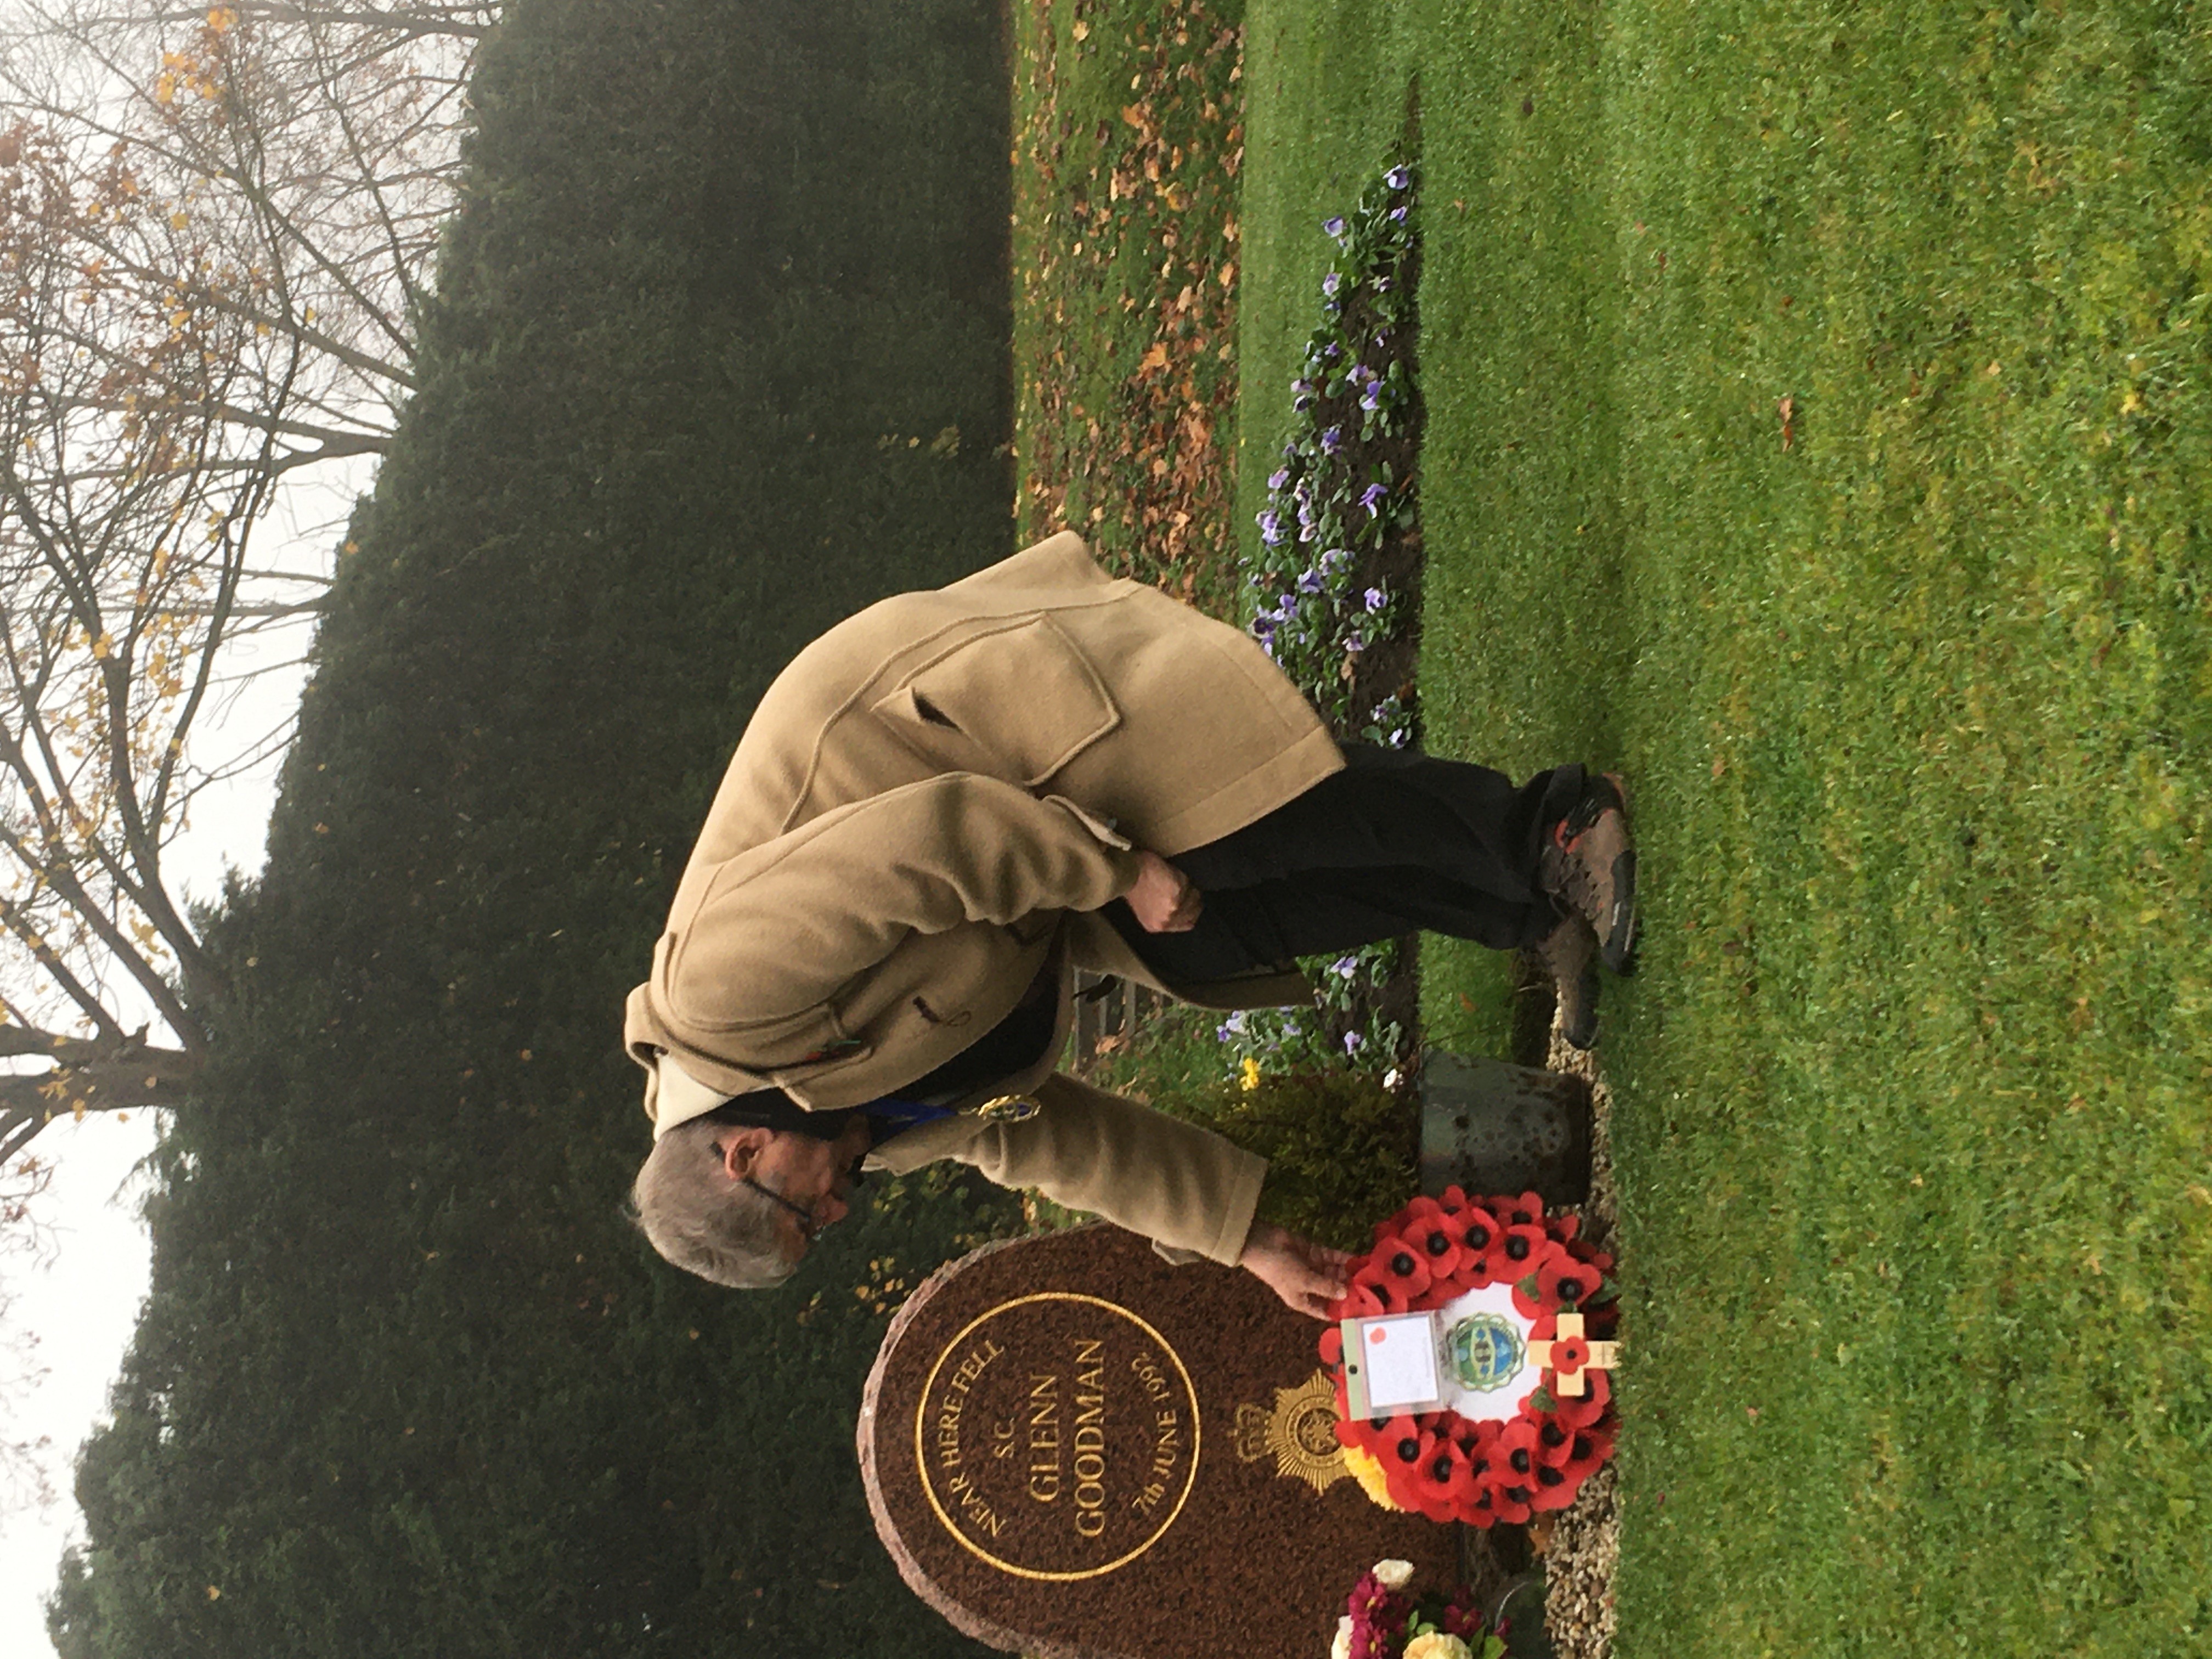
[{"x": 216, "y": 228}]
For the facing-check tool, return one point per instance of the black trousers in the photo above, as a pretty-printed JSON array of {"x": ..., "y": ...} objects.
[{"x": 1393, "y": 842}]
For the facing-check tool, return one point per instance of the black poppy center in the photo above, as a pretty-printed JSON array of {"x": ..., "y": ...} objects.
[
  {"x": 1571, "y": 1289},
  {"x": 1408, "y": 1450},
  {"x": 1553, "y": 1435},
  {"x": 1440, "y": 1469},
  {"x": 1401, "y": 1263},
  {"x": 1477, "y": 1237},
  {"x": 1517, "y": 1248},
  {"x": 1519, "y": 1460},
  {"x": 1549, "y": 1477},
  {"x": 1438, "y": 1243}
]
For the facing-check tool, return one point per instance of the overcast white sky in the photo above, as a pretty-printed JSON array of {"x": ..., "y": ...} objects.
[{"x": 83, "y": 1305}]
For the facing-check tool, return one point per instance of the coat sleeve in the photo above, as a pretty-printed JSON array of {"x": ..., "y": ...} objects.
[
  {"x": 1181, "y": 1186},
  {"x": 793, "y": 919}
]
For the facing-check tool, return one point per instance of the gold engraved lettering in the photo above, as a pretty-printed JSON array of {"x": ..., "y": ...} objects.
[
  {"x": 962, "y": 1489},
  {"x": 972, "y": 1365},
  {"x": 988, "y": 1437},
  {"x": 1044, "y": 1436},
  {"x": 1167, "y": 1448},
  {"x": 1090, "y": 1442}
]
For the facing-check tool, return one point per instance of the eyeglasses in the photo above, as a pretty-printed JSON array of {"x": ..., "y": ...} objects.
[{"x": 808, "y": 1226}]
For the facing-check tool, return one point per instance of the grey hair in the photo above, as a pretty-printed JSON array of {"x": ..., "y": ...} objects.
[{"x": 699, "y": 1221}]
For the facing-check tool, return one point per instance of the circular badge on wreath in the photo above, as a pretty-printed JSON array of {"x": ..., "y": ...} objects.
[{"x": 1527, "y": 1315}]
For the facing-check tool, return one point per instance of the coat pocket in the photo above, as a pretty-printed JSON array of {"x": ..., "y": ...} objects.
[{"x": 1023, "y": 695}]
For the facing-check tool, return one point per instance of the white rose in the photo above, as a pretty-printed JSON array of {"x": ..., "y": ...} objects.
[
  {"x": 1435, "y": 1644},
  {"x": 1341, "y": 1648},
  {"x": 1395, "y": 1575}
]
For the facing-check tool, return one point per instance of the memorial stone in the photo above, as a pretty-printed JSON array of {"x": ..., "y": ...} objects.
[{"x": 1076, "y": 1451}]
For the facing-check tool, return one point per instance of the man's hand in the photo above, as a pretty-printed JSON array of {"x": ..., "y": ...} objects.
[
  {"x": 1164, "y": 899},
  {"x": 1306, "y": 1276}
]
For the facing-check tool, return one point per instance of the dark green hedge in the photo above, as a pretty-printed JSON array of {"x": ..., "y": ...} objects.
[{"x": 727, "y": 279}]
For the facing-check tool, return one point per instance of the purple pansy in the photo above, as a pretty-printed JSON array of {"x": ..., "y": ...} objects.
[
  {"x": 1271, "y": 528},
  {"x": 1398, "y": 216},
  {"x": 1372, "y": 498},
  {"x": 1330, "y": 283},
  {"x": 1353, "y": 1042},
  {"x": 1310, "y": 581},
  {"x": 1333, "y": 227},
  {"x": 1331, "y": 442},
  {"x": 1399, "y": 177},
  {"x": 1334, "y": 558},
  {"x": 1279, "y": 477},
  {"x": 1375, "y": 598}
]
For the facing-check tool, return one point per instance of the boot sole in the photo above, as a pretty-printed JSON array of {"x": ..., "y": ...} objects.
[
  {"x": 1618, "y": 945},
  {"x": 1582, "y": 1038}
]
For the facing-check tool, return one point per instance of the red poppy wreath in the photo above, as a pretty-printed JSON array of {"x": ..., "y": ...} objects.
[{"x": 1527, "y": 1315}]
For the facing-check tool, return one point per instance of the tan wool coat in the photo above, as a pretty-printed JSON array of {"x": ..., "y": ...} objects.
[{"x": 925, "y": 812}]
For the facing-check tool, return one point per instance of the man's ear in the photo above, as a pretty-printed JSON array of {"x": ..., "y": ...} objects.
[{"x": 740, "y": 1150}]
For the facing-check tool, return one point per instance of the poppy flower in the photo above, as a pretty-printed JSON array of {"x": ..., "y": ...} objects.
[
  {"x": 1582, "y": 1410},
  {"x": 1516, "y": 1453},
  {"x": 1480, "y": 1230},
  {"x": 1402, "y": 1440},
  {"x": 1563, "y": 1282},
  {"x": 1446, "y": 1475},
  {"x": 1479, "y": 1439},
  {"x": 1584, "y": 1451},
  {"x": 1552, "y": 1489},
  {"x": 1525, "y": 1210},
  {"x": 1566, "y": 1360},
  {"x": 1403, "y": 1270},
  {"x": 1431, "y": 1238},
  {"x": 1372, "y": 1293},
  {"x": 1555, "y": 1443},
  {"x": 1510, "y": 1502},
  {"x": 1525, "y": 1244}
]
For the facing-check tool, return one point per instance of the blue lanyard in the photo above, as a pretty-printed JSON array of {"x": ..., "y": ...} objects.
[{"x": 893, "y": 1116}]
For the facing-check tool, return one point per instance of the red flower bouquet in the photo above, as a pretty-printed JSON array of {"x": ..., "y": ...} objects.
[{"x": 1384, "y": 1619}]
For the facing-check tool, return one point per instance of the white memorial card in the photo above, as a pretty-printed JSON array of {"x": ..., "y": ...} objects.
[{"x": 1391, "y": 1364}]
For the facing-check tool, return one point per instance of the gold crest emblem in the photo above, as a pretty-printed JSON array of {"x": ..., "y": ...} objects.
[{"x": 1299, "y": 1431}]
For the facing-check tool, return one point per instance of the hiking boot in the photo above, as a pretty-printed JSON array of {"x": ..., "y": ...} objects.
[
  {"x": 1587, "y": 863},
  {"x": 1568, "y": 951}
]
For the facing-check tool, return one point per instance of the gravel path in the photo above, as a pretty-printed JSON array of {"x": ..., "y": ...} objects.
[{"x": 1585, "y": 1545}]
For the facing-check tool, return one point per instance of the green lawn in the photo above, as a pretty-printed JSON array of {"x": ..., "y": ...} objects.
[
  {"x": 1914, "y": 1151},
  {"x": 1913, "y": 1134}
]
